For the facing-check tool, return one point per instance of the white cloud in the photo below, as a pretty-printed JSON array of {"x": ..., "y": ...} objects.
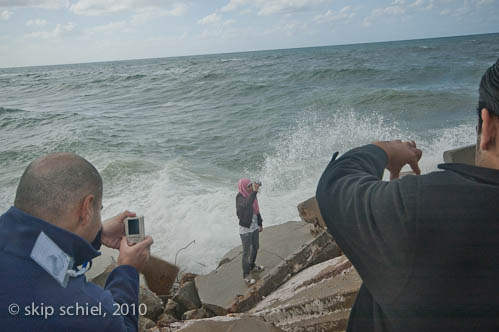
[
  {"x": 36, "y": 22},
  {"x": 145, "y": 15},
  {"x": 5, "y": 15},
  {"x": 58, "y": 32},
  {"x": 107, "y": 28},
  {"x": 210, "y": 19},
  {"x": 103, "y": 7},
  {"x": 345, "y": 14},
  {"x": 270, "y": 7},
  {"x": 48, "y": 4}
]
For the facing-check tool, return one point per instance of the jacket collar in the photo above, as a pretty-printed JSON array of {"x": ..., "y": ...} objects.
[
  {"x": 482, "y": 174},
  {"x": 20, "y": 230}
]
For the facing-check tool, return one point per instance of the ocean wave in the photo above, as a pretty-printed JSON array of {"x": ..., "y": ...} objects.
[
  {"x": 335, "y": 74},
  {"x": 6, "y": 110}
]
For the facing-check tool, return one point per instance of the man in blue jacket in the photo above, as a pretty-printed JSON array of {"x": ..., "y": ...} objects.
[
  {"x": 426, "y": 246},
  {"x": 54, "y": 228}
]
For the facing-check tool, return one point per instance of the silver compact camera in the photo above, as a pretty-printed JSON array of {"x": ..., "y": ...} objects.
[{"x": 134, "y": 229}]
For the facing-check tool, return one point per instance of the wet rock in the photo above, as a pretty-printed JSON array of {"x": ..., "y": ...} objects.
[
  {"x": 145, "y": 323},
  {"x": 153, "y": 303},
  {"x": 187, "y": 298}
]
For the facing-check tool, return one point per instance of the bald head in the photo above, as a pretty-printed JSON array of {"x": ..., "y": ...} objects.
[{"x": 55, "y": 183}]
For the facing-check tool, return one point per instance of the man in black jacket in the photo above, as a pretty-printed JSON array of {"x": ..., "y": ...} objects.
[{"x": 426, "y": 247}]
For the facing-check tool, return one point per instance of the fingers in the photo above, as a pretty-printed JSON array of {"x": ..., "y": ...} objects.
[
  {"x": 146, "y": 243},
  {"x": 126, "y": 214}
]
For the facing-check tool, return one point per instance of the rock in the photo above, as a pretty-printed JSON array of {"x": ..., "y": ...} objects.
[
  {"x": 145, "y": 323},
  {"x": 216, "y": 310},
  {"x": 195, "y": 314},
  {"x": 463, "y": 155},
  {"x": 160, "y": 275},
  {"x": 100, "y": 280},
  {"x": 285, "y": 250},
  {"x": 309, "y": 212},
  {"x": 186, "y": 278},
  {"x": 187, "y": 298},
  {"x": 223, "y": 324},
  {"x": 153, "y": 303},
  {"x": 165, "y": 298},
  {"x": 317, "y": 299},
  {"x": 171, "y": 308},
  {"x": 166, "y": 320}
]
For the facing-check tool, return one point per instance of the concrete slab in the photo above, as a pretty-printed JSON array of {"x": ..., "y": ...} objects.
[
  {"x": 316, "y": 299},
  {"x": 284, "y": 250}
]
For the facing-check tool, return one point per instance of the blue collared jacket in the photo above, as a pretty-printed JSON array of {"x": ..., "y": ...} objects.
[{"x": 41, "y": 303}]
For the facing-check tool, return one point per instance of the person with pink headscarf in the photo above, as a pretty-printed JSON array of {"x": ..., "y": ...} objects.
[{"x": 250, "y": 225}]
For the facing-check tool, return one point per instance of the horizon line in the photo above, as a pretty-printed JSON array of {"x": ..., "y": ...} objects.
[{"x": 252, "y": 51}]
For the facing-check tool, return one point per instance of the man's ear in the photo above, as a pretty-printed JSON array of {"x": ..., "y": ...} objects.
[
  {"x": 489, "y": 133},
  {"x": 87, "y": 210}
]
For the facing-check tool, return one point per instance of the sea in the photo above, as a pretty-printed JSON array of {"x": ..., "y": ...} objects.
[{"x": 172, "y": 136}]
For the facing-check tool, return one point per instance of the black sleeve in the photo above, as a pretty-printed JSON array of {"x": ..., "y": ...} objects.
[
  {"x": 373, "y": 221},
  {"x": 96, "y": 243},
  {"x": 260, "y": 220}
]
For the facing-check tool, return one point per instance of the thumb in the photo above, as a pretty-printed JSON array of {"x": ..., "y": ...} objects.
[
  {"x": 415, "y": 167},
  {"x": 123, "y": 242},
  {"x": 394, "y": 173}
]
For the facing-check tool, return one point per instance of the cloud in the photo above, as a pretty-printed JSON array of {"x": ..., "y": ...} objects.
[
  {"x": 271, "y": 7},
  {"x": 107, "y": 29},
  {"x": 345, "y": 14},
  {"x": 399, "y": 8},
  {"x": 59, "y": 31},
  {"x": 210, "y": 19},
  {"x": 48, "y": 4},
  {"x": 36, "y": 22},
  {"x": 103, "y": 7},
  {"x": 5, "y": 15},
  {"x": 145, "y": 15}
]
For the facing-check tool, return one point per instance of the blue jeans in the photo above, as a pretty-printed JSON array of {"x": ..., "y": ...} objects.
[{"x": 250, "y": 249}]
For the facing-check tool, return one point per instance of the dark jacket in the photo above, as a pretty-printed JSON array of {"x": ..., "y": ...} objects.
[
  {"x": 244, "y": 209},
  {"x": 23, "y": 282},
  {"x": 426, "y": 247}
]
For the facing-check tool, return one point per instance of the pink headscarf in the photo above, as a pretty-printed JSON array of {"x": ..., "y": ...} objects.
[{"x": 243, "y": 190}]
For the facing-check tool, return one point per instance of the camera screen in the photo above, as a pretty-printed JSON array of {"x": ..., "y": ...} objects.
[{"x": 133, "y": 226}]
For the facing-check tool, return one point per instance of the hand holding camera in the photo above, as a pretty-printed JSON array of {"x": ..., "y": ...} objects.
[{"x": 256, "y": 185}]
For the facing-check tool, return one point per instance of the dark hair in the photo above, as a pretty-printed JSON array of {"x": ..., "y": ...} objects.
[
  {"x": 53, "y": 183},
  {"x": 489, "y": 93}
]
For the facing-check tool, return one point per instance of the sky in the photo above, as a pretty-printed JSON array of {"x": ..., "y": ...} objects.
[{"x": 44, "y": 32}]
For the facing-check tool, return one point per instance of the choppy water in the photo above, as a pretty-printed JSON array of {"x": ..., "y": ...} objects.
[{"x": 172, "y": 136}]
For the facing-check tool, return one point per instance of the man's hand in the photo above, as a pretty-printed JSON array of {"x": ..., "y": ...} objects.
[
  {"x": 260, "y": 229},
  {"x": 399, "y": 154},
  {"x": 113, "y": 230},
  {"x": 135, "y": 255}
]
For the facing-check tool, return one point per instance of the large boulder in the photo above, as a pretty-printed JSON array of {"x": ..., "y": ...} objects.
[
  {"x": 145, "y": 323},
  {"x": 187, "y": 298},
  {"x": 316, "y": 299},
  {"x": 309, "y": 212}
]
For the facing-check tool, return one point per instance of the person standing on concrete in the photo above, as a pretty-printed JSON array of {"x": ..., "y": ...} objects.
[
  {"x": 53, "y": 228},
  {"x": 426, "y": 246},
  {"x": 250, "y": 225}
]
